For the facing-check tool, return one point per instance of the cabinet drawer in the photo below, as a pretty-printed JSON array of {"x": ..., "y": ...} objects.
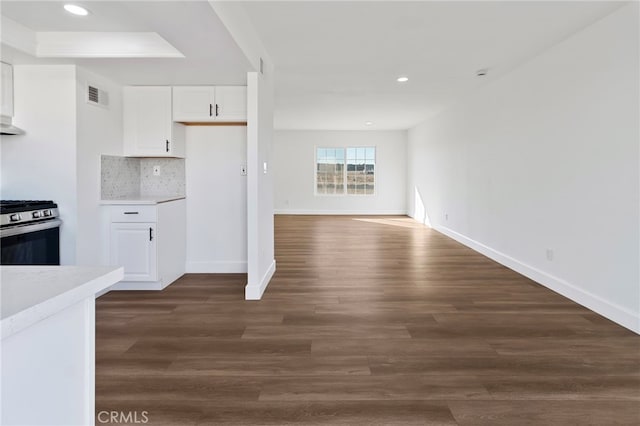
[{"x": 134, "y": 213}]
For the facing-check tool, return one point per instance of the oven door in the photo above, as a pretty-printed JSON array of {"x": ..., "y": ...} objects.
[{"x": 35, "y": 244}]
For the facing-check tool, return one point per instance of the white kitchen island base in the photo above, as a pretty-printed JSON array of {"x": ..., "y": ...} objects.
[{"x": 48, "y": 343}]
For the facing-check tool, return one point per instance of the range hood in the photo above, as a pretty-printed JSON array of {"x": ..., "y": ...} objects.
[{"x": 6, "y": 98}]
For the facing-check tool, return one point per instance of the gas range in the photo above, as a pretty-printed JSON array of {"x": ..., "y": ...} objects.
[
  {"x": 29, "y": 232},
  {"x": 21, "y": 212}
]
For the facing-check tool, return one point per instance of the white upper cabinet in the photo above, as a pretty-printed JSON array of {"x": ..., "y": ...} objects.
[
  {"x": 149, "y": 128},
  {"x": 194, "y": 103},
  {"x": 200, "y": 104},
  {"x": 231, "y": 103}
]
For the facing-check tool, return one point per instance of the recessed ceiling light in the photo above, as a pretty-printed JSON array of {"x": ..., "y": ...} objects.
[
  {"x": 76, "y": 10},
  {"x": 368, "y": 123},
  {"x": 402, "y": 79}
]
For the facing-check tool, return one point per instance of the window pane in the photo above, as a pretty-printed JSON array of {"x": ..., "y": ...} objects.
[
  {"x": 320, "y": 182},
  {"x": 370, "y": 154},
  {"x": 331, "y": 155},
  {"x": 330, "y": 171},
  {"x": 361, "y": 170},
  {"x": 351, "y": 153}
]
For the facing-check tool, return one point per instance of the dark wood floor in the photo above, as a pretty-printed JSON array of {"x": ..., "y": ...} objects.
[{"x": 367, "y": 321}]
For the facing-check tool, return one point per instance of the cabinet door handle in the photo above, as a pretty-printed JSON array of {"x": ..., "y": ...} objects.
[
  {"x": 130, "y": 212},
  {"x": 210, "y": 110},
  {"x": 150, "y": 234},
  {"x": 217, "y": 110},
  {"x": 167, "y": 145}
]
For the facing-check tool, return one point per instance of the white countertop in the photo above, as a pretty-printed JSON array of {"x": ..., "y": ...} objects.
[
  {"x": 146, "y": 199},
  {"x": 32, "y": 293}
]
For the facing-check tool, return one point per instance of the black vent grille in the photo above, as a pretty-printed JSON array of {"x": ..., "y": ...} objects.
[
  {"x": 97, "y": 97},
  {"x": 94, "y": 95}
]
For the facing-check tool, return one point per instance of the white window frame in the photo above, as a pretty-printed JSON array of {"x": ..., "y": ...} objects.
[
  {"x": 344, "y": 171},
  {"x": 315, "y": 171}
]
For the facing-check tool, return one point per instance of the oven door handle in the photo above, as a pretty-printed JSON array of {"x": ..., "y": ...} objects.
[{"x": 25, "y": 229}]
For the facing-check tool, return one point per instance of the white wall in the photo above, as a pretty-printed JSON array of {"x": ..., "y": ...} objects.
[
  {"x": 41, "y": 164},
  {"x": 261, "y": 263},
  {"x": 99, "y": 131},
  {"x": 216, "y": 199},
  {"x": 260, "y": 242},
  {"x": 59, "y": 156},
  {"x": 546, "y": 157},
  {"x": 294, "y": 171}
]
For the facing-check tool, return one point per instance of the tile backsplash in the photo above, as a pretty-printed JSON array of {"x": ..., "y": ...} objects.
[
  {"x": 124, "y": 177},
  {"x": 170, "y": 181},
  {"x": 120, "y": 177}
]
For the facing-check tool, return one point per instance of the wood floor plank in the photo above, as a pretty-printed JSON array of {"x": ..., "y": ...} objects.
[
  {"x": 322, "y": 388},
  {"x": 505, "y": 366},
  {"x": 158, "y": 387},
  {"x": 381, "y": 308},
  {"x": 344, "y": 331},
  {"x": 145, "y": 364},
  {"x": 621, "y": 346},
  {"x": 432, "y": 347},
  {"x": 276, "y": 413},
  {"x": 362, "y": 318},
  {"x": 274, "y": 365},
  {"x": 367, "y": 320},
  {"x": 564, "y": 387},
  {"x": 208, "y": 345},
  {"x": 346, "y": 413},
  {"x": 548, "y": 413},
  {"x": 521, "y": 307}
]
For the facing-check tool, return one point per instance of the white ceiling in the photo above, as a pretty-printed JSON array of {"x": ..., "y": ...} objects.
[
  {"x": 336, "y": 62},
  {"x": 210, "y": 54}
]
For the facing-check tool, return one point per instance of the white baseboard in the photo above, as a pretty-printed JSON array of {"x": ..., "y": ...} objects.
[
  {"x": 342, "y": 212},
  {"x": 254, "y": 292},
  {"x": 141, "y": 285},
  {"x": 230, "y": 267},
  {"x": 612, "y": 311}
]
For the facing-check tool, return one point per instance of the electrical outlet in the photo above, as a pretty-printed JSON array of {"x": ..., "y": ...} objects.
[
  {"x": 446, "y": 216},
  {"x": 156, "y": 170},
  {"x": 243, "y": 170},
  {"x": 264, "y": 167},
  {"x": 550, "y": 255}
]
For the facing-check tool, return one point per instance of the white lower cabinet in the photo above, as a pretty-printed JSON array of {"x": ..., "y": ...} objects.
[
  {"x": 133, "y": 246},
  {"x": 149, "y": 241}
]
